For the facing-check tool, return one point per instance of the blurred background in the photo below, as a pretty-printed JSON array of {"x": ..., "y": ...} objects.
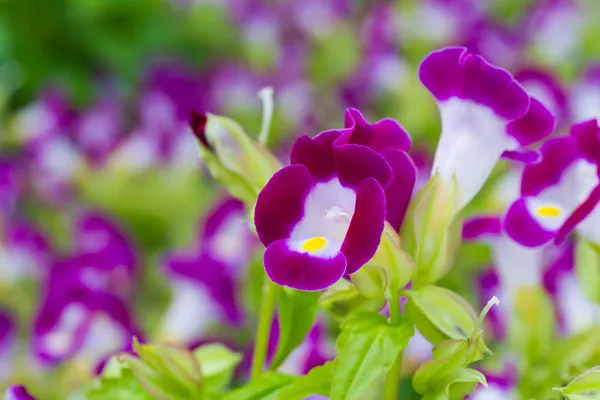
[{"x": 110, "y": 224}]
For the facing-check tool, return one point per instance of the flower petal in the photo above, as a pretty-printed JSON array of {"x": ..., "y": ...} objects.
[
  {"x": 523, "y": 228},
  {"x": 589, "y": 227},
  {"x": 280, "y": 205},
  {"x": 316, "y": 154},
  {"x": 302, "y": 271},
  {"x": 454, "y": 72},
  {"x": 355, "y": 163},
  {"x": 18, "y": 393},
  {"x": 522, "y": 156},
  {"x": 587, "y": 135},
  {"x": 534, "y": 126},
  {"x": 366, "y": 227},
  {"x": 476, "y": 227},
  {"x": 557, "y": 155},
  {"x": 379, "y": 136},
  {"x": 400, "y": 189}
]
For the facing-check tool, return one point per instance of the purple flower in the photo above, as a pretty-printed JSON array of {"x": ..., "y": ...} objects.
[
  {"x": 50, "y": 115},
  {"x": 75, "y": 323},
  {"x": 24, "y": 251},
  {"x": 584, "y": 96},
  {"x": 484, "y": 112},
  {"x": 98, "y": 130},
  {"x": 497, "y": 43},
  {"x": 8, "y": 342},
  {"x": 500, "y": 386},
  {"x": 17, "y": 393},
  {"x": 548, "y": 90},
  {"x": 313, "y": 352},
  {"x": 559, "y": 191},
  {"x": 10, "y": 186},
  {"x": 322, "y": 217}
]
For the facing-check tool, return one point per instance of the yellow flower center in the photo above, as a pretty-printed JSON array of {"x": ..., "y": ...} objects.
[
  {"x": 313, "y": 245},
  {"x": 548, "y": 211}
]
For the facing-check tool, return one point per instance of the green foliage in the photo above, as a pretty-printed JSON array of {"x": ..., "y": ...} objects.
[
  {"x": 297, "y": 312},
  {"x": 124, "y": 386},
  {"x": 431, "y": 231},
  {"x": 587, "y": 264},
  {"x": 367, "y": 348},
  {"x": 584, "y": 387},
  {"x": 440, "y": 314},
  {"x": 266, "y": 387},
  {"x": 317, "y": 381},
  {"x": 217, "y": 364},
  {"x": 343, "y": 299}
]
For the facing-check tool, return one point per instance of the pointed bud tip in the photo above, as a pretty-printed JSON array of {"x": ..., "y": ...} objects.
[{"x": 197, "y": 123}]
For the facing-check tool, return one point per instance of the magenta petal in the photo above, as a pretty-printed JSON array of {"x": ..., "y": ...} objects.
[
  {"x": 440, "y": 72},
  {"x": 379, "y": 136},
  {"x": 522, "y": 156},
  {"x": 316, "y": 154},
  {"x": 454, "y": 72},
  {"x": 280, "y": 205},
  {"x": 302, "y": 271},
  {"x": 579, "y": 215},
  {"x": 366, "y": 227},
  {"x": 476, "y": 227},
  {"x": 557, "y": 155},
  {"x": 18, "y": 393},
  {"x": 399, "y": 191},
  {"x": 355, "y": 163},
  {"x": 523, "y": 228},
  {"x": 534, "y": 126},
  {"x": 197, "y": 123},
  {"x": 587, "y": 136}
]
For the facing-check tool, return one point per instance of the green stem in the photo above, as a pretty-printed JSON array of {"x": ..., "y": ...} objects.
[
  {"x": 267, "y": 306},
  {"x": 392, "y": 379}
]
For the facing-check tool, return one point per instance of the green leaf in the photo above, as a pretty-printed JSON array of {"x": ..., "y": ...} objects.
[
  {"x": 440, "y": 314},
  {"x": 533, "y": 328},
  {"x": 343, "y": 299},
  {"x": 433, "y": 376},
  {"x": 317, "y": 381},
  {"x": 266, "y": 387},
  {"x": 367, "y": 349},
  {"x": 217, "y": 363},
  {"x": 587, "y": 264},
  {"x": 297, "y": 312},
  {"x": 584, "y": 387},
  {"x": 576, "y": 353},
  {"x": 122, "y": 387}
]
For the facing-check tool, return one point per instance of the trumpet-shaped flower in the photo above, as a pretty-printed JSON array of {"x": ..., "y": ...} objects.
[
  {"x": 484, "y": 112},
  {"x": 559, "y": 191},
  {"x": 322, "y": 217}
]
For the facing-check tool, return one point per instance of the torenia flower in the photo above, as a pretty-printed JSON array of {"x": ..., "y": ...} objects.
[
  {"x": 17, "y": 393},
  {"x": 8, "y": 342},
  {"x": 322, "y": 217},
  {"x": 484, "y": 112},
  {"x": 24, "y": 251},
  {"x": 559, "y": 191}
]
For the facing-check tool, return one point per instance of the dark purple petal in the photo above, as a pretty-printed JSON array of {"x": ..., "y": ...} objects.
[
  {"x": 454, "y": 72},
  {"x": 280, "y": 205},
  {"x": 218, "y": 216},
  {"x": 316, "y": 154},
  {"x": 522, "y": 156},
  {"x": 7, "y": 327},
  {"x": 534, "y": 126},
  {"x": 557, "y": 100},
  {"x": 379, "y": 136},
  {"x": 580, "y": 213},
  {"x": 355, "y": 163},
  {"x": 366, "y": 227},
  {"x": 587, "y": 136},
  {"x": 302, "y": 271},
  {"x": 197, "y": 122},
  {"x": 400, "y": 189},
  {"x": 523, "y": 228},
  {"x": 18, "y": 393},
  {"x": 557, "y": 155},
  {"x": 476, "y": 227}
]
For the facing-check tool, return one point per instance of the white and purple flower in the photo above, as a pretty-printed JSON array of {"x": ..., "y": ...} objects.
[
  {"x": 8, "y": 343},
  {"x": 560, "y": 191},
  {"x": 322, "y": 217},
  {"x": 484, "y": 112},
  {"x": 17, "y": 393}
]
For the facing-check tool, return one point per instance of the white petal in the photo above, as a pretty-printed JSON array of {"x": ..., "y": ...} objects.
[
  {"x": 328, "y": 210},
  {"x": 578, "y": 312},
  {"x": 472, "y": 141}
]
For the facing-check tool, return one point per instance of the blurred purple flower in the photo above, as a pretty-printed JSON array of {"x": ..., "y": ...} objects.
[
  {"x": 17, "y": 393},
  {"x": 24, "y": 251}
]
